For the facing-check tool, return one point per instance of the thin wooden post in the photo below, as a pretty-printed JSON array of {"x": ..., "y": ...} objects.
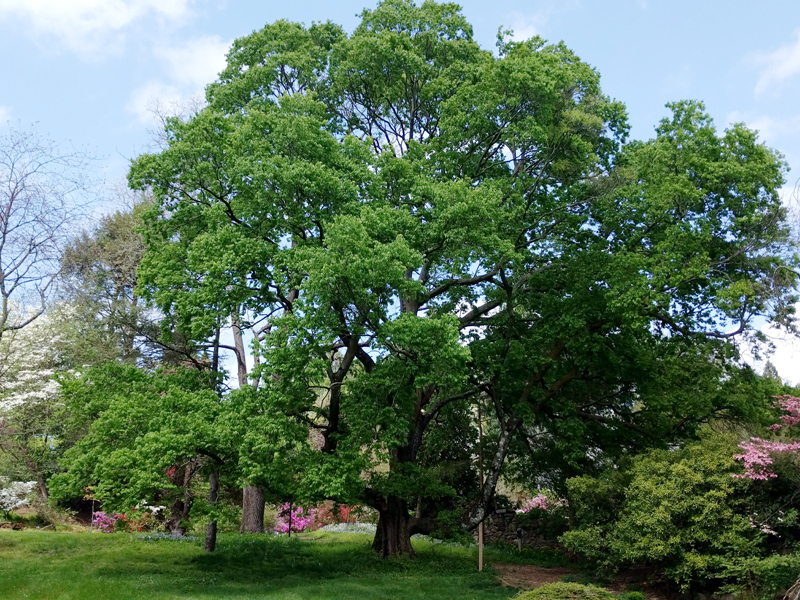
[
  {"x": 480, "y": 547},
  {"x": 480, "y": 475}
]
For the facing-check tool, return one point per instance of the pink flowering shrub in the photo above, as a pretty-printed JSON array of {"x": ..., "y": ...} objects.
[
  {"x": 757, "y": 455},
  {"x": 329, "y": 514},
  {"x": 539, "y": 501},
  {"x": 107, "y": 523},
  {"x": 347, "y": 514},
  {"x": 301, "y": 519}
]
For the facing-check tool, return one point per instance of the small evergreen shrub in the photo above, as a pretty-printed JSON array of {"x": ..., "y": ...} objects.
[
  {"x": 632, "y": 596},
  {"x": 567, "y": 591}
]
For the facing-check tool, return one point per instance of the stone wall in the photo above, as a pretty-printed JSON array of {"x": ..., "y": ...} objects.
[{"x": 501, "y": 527}]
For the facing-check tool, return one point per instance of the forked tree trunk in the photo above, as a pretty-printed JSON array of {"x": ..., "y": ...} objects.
[
  {"x": 393, "y": 536},
  {"x": 252, "y": 510},
  {"x": 211, "y": 529}
]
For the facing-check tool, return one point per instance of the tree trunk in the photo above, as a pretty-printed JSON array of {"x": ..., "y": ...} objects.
[
  {"x": 44, "y": 493},
  {"x": 179, "y": 511},
  {"x": 393, "y": 537},
  {"x": 179, "y": 515},
  {"x": 508, "y": 428},
  {"x": 241, "y": 355},
  {"x": 211, "y": 528},
  {"x": 252, "y": 510}
]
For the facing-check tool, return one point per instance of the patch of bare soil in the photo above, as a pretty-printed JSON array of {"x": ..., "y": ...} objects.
[
  {"x": 642, "y": 579},
  {"x": 527, "y": 577}
]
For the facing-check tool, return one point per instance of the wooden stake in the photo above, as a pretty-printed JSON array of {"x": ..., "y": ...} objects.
[
  {"x": 480, "y": 474},
  {"x": 480, "y": 547}
]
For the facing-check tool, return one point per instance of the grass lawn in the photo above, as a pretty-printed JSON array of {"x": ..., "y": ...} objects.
[{"x": 80, "y": 566}]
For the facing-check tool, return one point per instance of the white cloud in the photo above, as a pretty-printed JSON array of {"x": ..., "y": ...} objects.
[
  {"x": 87, "y": 25},
  {"x": 527, "y": 26},
  {"x": 5, "y": 114},
  {"x": 189, "y": 67},
  {"x": 197, "y": 62},
  {"x": 147, "y": 99},
  {"x": 769, "y": 128},
  {"x": 778, "y": 66}
]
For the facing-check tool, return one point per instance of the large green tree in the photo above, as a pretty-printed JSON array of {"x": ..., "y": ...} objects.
[{"x": 410, "y": 223}]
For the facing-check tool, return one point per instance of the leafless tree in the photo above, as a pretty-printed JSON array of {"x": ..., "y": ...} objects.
[{"x": 44, "y": 192}]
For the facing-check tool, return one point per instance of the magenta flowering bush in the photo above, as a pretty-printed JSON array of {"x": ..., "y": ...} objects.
[
  {"x": 107, "y": 523},
  {"x": 539, "y": 501},
  {"x": 301, "y": 519},
  {"x": 757, "y": 455}
]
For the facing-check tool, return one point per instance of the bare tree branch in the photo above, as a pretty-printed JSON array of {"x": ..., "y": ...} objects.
[{"x": 44, "y": 192}]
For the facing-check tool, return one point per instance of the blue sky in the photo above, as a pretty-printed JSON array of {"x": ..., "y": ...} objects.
[{"x": 87, "y": 70}]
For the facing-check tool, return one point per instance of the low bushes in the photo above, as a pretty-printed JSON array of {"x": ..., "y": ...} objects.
[
  {"x": 133, "y": 521},
  {"x": 567, "y": 591},
  {"x": 683, "y": 513}
]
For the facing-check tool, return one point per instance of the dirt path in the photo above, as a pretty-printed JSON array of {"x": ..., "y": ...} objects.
[{"x": 527, "y": 577}]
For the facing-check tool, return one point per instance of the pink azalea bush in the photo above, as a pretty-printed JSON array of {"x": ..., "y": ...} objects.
[
  {"x": 301, "y": 519},
  {"x": 329, "y": 514},
  {"x": 107, "y": 523},
  {"x": 539, "y": 501},
  {"x": 757, "y": 455},
  {"x": 310, "y": 519}
]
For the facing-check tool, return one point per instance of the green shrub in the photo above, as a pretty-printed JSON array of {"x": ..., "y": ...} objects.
[
  {"x": 682, "y": 512},
  {"x": 769, "y": 577},
  {"x": 567, "y": 591},
  {"x": 449, "y": 527},
  {"x": 270, "y": 512},
  {"x": 632, "y": 596},
  {"x": 227, "y": 514}
]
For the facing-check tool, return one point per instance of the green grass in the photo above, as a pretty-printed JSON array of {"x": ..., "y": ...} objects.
[{"x": 66, "y": 566}]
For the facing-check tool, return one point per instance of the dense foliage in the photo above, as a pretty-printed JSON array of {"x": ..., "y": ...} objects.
[
  {"x": 410, "y": 224},
  {"x": 433, "y": 266},
  {"x": 684, "y": 513}
]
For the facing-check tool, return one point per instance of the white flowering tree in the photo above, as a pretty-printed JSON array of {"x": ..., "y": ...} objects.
[
  {"x": 31, "y": 420},
  {"x": 14, "y": 494}
]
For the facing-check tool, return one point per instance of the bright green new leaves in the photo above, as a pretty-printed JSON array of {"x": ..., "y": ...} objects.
[
  {"x": 282, "y": 59},
  {"x": 236, "y": 187},
  {"x": 143, "y": 426},
  {"x": 698, "y": 227},
  {"x": 421, "y": 223}
]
